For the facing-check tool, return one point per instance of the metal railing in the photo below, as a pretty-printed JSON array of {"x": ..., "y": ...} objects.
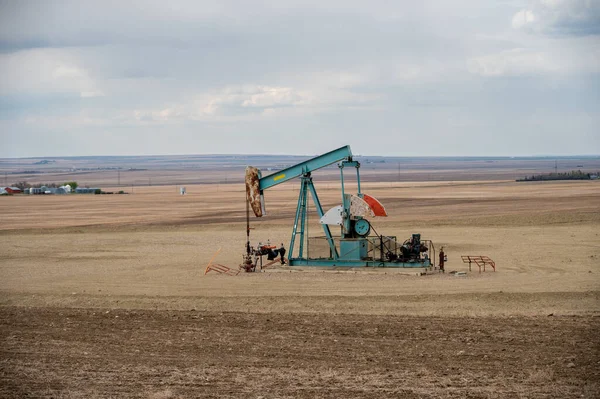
[{"x": 379, "y": 248}]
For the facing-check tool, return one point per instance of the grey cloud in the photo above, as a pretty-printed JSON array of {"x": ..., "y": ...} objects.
[
  {"x": 188, "y": 76},
  {"x": 560, "y": 17}
]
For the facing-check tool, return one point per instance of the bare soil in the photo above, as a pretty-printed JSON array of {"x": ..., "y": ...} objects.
[{"x": 91, "y": 353}]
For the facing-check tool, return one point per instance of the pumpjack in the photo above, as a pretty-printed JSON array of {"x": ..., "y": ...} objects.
[{"x": 358, "y": 243}]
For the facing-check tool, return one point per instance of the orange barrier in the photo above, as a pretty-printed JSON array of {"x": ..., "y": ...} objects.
[
  {"x": 479, "y": 260},
  {"x": 221, "y": 269}
]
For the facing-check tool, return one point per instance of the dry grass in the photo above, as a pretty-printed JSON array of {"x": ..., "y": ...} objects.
[
  {"x": 409, "y": 205},
  {"x": 136, "y": 249}
]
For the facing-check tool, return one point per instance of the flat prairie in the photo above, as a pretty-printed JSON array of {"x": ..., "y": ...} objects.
[{"x": 105, "y": 296}]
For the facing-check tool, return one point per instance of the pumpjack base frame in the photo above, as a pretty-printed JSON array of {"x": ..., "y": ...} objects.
[{"x": 357, "y": 263}]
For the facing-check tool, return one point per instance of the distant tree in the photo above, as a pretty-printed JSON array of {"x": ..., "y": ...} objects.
[
  {"x": 573, "y": 175},
  {"x": 73, "y": 184},
  {"x": 22, "y": 185},
  {"x": 97, "y": 191}
]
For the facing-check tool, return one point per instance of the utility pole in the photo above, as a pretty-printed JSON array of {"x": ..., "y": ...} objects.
[
  {"x": 119, "y": 177},
  {"x": 556, "y": 166}
]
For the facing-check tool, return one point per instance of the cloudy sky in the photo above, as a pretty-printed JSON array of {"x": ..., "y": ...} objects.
[{"x": 408, "y": 78}]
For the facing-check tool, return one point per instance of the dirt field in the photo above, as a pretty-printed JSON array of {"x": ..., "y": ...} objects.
[
  {"x": 96, "y": 352},
  {"x": 104, "y": 296}
]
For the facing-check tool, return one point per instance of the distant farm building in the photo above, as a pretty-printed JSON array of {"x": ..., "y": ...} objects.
[
  {"x": 66, "y": 189},
  {"x": 10, "y": 190}
]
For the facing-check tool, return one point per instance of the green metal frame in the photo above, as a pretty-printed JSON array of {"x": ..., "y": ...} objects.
[
  {"x": 343, "y": 156},
  {"x": 306, "y": 187},
  {"x": 305, "y": 167},
  {"x": 357, "y": 263}
]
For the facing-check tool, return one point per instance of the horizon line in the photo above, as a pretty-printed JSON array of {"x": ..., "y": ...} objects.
[{"x": 302, "y": 155}]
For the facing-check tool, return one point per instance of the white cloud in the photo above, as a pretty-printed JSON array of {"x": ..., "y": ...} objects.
[
  {"x": 523, "y": 18},
  {"x": 513, "y": 62},
  {"x": 232, "y": 102},
  {"x": 554, "y": 58},
  {"x": 45, "y": 71},
  {"x": 268, "y": 97},
  {"x": 173, "y": 113},
  {"x": 255, "y": 102},
  {"x": 240, "y": 99}
]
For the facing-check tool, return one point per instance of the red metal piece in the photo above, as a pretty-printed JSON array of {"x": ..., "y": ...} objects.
[
  {"x": 375, "y": 205},
  {"x": 479, "y": 260}
]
